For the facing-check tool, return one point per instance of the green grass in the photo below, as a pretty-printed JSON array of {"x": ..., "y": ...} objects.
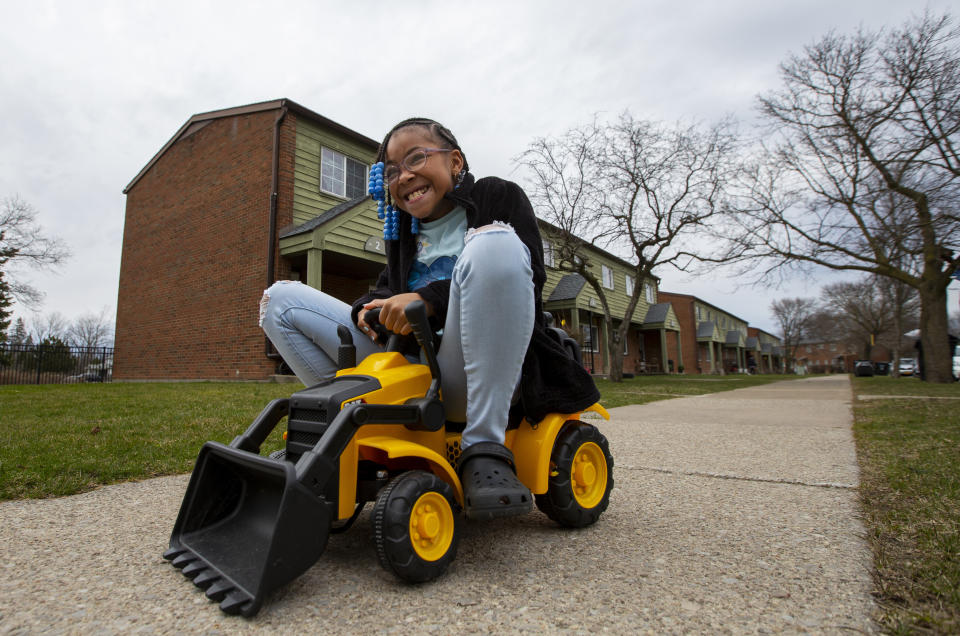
[
  {"x": 909, "y": 455},
  {"x": 63, "y": 439},
  {"x": 650, "y": 388}
]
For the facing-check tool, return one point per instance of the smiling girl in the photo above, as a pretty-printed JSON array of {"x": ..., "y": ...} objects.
[{"x": 471, "y": 250}]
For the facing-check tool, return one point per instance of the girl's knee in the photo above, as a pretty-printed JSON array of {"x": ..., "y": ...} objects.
[
  {"x": 497, "y": 248},
  {"x": 277, "y": 295}
]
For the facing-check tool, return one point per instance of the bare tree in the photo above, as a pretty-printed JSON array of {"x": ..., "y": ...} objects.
[
  {"x": 794, "y": 316},
  {"x": 639, "y": 188},
  {"x": 25, "y": 244},
  {"x": 862, "y": 170},
  {"x": 49, "y": 326},
  {"x": 92, "y": 330}
]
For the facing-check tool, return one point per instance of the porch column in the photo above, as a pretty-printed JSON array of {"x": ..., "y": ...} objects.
[
  {"x": 679, "y": 351},
  {"x": 314, "y": 267},
  {"x": 663, "y": 350}
]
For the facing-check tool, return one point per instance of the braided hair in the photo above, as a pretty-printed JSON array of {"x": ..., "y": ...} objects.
[{"x": 438, "y": 130}]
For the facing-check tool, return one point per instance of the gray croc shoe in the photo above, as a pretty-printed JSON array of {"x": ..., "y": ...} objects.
[{"x": 490, "y": 485}]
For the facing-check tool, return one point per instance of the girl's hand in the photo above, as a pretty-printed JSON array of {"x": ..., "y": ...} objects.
[{"x": 391, "y": 313}]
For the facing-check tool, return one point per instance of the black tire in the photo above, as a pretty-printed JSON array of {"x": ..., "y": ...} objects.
[
  {"x": 577, "y": 498},
  {"x": 416, "y": 498}
]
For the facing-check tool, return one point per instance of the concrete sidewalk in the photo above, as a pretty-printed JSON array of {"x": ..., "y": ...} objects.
[{"x": 732, "y": 513}]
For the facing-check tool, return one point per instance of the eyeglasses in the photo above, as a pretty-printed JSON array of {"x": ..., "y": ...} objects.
[{"x": 411, "y": 163}]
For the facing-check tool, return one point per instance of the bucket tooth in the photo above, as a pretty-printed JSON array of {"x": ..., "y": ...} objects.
[
  {"x": 218, "y": 591},
  {"x": 235, "y": 602},
  {"x": 181, "y": 561},
  {"x": 206, "y": 579},
  {"x": 194, "y": 568},
  {"x": 173, "y": 553}
]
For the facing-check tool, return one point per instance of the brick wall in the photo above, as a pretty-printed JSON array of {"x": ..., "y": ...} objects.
[
  {"x": 683, "y": 307},
  {"x": 193, "y": 264}
]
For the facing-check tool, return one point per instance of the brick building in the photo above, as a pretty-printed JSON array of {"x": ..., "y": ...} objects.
[
  {"x": 200, "y": 236},
  {"x": 717, "y": 341}
]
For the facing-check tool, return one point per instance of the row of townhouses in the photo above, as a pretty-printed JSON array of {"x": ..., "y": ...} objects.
[{"x": 241, "y": 197}]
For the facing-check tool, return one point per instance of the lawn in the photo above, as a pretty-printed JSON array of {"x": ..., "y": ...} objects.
[
  {"x": 60, "y": 439},
  {"x": 908, "y": 448}
]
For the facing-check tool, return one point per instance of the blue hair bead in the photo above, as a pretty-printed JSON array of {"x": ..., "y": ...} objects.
[{"x": 385, "y": 212}]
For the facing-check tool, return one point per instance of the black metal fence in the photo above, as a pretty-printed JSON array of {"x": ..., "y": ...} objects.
[{"x": 54, "y": 364}]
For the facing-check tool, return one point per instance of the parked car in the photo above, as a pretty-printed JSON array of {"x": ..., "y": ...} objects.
[
  {"x": 907, "y": 366},
  {"x": 881, "y": 368},
  {"x": 956, "y": 362},
  {"x": 863, "y": 369}
]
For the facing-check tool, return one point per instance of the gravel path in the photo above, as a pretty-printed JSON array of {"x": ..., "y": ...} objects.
[{"x": 732, "y": 513}]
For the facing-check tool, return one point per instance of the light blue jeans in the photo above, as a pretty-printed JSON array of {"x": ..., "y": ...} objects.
[{"x": 489, "y": 321}]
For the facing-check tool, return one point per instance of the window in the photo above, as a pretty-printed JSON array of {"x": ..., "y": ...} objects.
[
  {"x": 650, "y": 296},
  {"x": 342, "y": 176},
  {"x": 607, "y": 274},
  {"x": 589, "y": 338},
  {"x": 548, "y": 258},
  {"x": 698, "y": 313},
  {"x": 628, "y": 283}
]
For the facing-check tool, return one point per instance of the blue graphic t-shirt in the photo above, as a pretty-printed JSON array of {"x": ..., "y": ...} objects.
[{"x": 439, "y": 245}]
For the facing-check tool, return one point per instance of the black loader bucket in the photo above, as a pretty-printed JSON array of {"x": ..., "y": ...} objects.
[{"x": 246, "y": 527}]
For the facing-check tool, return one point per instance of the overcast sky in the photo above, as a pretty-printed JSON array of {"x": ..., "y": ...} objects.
[{"x": 90, "y": 91}]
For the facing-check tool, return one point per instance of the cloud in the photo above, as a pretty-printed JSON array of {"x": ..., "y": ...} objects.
[{"x": 93, "y": 90}]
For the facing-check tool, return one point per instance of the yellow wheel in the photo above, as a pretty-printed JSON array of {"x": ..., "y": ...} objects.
[
  {"x": 431, "y": 526},
  {"x": 588, "y": 475},
  {"x": 415, "y": 526},
  {"x": 581, "y": 477}
]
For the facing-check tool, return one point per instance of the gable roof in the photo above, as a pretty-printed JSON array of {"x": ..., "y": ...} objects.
[
  {"x": 734, "y": 338},
  {"x": 202, "y": 119},
  {"x": 657, "y": 313},
  {"x": 705, "y": 329},
  {"x": 568, "y": 288},
  {"x": 322, "y": 218}
]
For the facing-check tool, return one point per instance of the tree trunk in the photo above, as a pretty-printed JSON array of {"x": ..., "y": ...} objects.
[
  {"x": 937, "y": 359},
  {"x": 614, "y": 361}
]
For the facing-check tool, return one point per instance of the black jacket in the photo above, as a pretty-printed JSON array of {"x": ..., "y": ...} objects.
[{"x": 550, "y": 381}]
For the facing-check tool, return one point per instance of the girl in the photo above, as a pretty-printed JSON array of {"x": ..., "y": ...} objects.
[{"x": 472, "y": 252}]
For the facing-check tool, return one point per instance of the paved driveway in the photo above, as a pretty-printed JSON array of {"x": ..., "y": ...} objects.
[{"x": 732, "y": 513}]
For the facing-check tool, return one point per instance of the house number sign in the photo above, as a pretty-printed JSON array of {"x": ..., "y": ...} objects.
[{"x": 374, "y": 244}]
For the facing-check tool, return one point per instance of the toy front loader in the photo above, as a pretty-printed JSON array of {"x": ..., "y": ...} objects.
[
  {"x": 376, "y": 432},
  {"x": 249, "y": 524}
]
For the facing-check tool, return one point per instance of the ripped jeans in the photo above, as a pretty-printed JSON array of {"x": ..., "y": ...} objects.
[{"x": 490, "y": 318}]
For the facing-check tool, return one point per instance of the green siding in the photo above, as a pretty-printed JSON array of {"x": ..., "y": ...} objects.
[
  {"x": 616, "y": 298},
  {"x": 308, "y": 200}
]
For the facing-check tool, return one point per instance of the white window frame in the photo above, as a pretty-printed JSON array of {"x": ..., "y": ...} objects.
[
  {"x": 607, "y": 275},
  {"x": 651, "y": 297},
  {"x": 548, "y": 255},
  {"x": 336, "y": 183},
  {"x": 628, "y": 284}
]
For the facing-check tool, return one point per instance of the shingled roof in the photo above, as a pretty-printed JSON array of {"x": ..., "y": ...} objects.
[
  {"x": 320, "y": 219},
  {"x": 568, "y": 288}
]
